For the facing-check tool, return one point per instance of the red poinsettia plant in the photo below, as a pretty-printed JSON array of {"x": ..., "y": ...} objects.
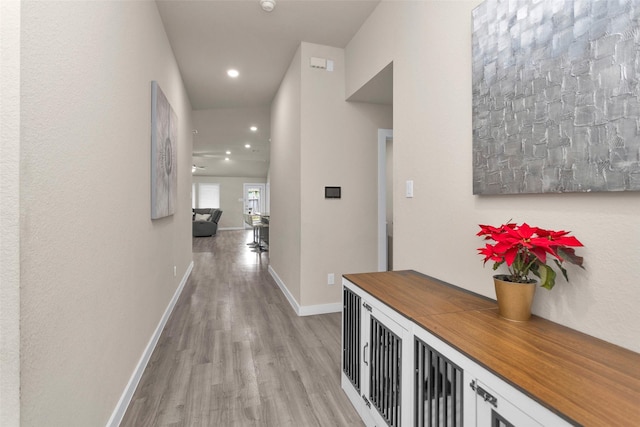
[{"x": 525, "y": 249}]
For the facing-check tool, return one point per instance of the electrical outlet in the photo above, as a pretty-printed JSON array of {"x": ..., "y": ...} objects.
[{"x": 331, "y": 279}]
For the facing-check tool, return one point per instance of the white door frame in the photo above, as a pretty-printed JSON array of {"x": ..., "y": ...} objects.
[
  {"x": 248, "y": 185},
  {"x": 383, "y": 136}
]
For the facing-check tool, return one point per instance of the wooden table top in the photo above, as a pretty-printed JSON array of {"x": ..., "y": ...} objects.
[
  {"x": 586, "y": 380},
  {"x": 415, "y": 295}
]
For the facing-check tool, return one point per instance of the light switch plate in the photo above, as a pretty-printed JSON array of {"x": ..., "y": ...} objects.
[{"x": 409, "y": 192}]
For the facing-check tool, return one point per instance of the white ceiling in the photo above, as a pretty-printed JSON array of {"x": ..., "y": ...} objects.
[{"x": 209, "y": 37}]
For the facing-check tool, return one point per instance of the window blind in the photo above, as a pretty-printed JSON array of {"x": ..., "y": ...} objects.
[{"x": 205, "y": 195}]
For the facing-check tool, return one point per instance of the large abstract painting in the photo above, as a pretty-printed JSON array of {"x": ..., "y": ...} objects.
[
  {"x": 556, "y": 96},
  {"x": 164, "y": 177}
]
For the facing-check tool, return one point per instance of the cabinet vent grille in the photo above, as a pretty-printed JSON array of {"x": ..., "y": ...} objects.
[
  {"x": 385, "y": 374},
  {"x": 351, "y": 337},
  {"x": 438, "y": 399}
]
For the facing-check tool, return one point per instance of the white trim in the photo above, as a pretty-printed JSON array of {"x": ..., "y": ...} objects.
[
  {"x": 285, "y": 291},
  {"x": 383, "y": 135},
  {"x": 230, "y": 228},
  {"x": 308, "y": 310},
  {"x": 311, "y": 310},
  {"x": 125, "y": 399}
]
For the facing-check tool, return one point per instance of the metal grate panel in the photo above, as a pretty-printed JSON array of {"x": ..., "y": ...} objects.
[
  {"x": 498, "y": 420},
  {"x": 438, "y": 399},
  {"x": 385, "y": 374},
  {"x": 351, "y": 337}
]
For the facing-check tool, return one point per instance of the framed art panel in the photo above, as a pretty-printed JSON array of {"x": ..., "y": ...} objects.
[
  {"x": 164, "y": 177},
  {"x": 556, "y": 96}
]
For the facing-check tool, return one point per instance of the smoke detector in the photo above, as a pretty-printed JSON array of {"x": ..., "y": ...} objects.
[{"x": 268, "y": 5}]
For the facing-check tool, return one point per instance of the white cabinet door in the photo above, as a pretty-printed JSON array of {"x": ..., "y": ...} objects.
[
  {"x": 493, "y": 410},
  {"x": 377, "y": 376},
  {"x": 439, "y": 388},
  {"x": 383, "y": 355},
  {"x": 352, "y": 341}
]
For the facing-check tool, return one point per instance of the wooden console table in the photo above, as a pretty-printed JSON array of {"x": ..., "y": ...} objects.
[{"x": 582, "y": 379}]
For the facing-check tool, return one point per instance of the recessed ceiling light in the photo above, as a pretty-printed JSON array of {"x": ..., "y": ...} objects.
[
  {"x": 228, "y": 152},
  {"x": 253, "y": 128},
  {"x": 247, "y": 145},
  {"x": 233, "y": 73},
  {"x": 226, "y": 159}
]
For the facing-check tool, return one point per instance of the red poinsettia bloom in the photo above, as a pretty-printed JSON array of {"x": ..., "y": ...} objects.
[{"x": 524, "y": 249}]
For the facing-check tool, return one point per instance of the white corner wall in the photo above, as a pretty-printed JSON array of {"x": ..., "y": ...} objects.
[
  {"x": 285, "y": 176},
  {"x": 318, "y": 140},
  {"x": 10, "y": 213},
  {"x": 96, "y": 272},
  {"x": 434, "y": 232},
  {"x": 339, "y": 148}
]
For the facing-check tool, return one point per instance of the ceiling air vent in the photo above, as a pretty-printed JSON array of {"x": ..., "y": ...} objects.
[
  {"x": 321, "y": 63},
  {"x": 318, "y": 63}
]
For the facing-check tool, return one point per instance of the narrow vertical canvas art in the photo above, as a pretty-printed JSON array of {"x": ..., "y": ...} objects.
[{"x": 164, "y": 177}]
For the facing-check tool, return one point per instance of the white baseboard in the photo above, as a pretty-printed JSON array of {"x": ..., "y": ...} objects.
[
  {"x": 305, "y": 310},
  {"x": 284, "y": 290},
  {"x": 125, "y": 399},
  {"x": 231, "y": 228},
  {"x": 312, "y": 310}
]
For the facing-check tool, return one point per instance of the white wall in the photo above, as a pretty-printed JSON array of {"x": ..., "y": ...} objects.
[
  {"x": 96, "y": 271},
  {"x": 231, "y": 194},
  {"x": 285, "y": 179},
  {"x": 339, "y": 148},
  {"x": 10, "y": 213},
  {"x": 430, "y": 46},
  {"x": 334, "y": 143}
]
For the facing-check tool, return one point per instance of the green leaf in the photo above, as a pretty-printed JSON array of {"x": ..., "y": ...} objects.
[
  {"x": 547, "y": 276},
  {"x": 534, "y": 269},
  {"x": 569, "y": 255},
  {"x": 564, "y": 270}
]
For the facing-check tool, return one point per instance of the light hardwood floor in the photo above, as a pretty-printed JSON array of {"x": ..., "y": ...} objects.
[{"x": 234, "y": 353}]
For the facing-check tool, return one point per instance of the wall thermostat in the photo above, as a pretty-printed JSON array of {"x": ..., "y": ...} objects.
[{"x": 332, "y": 192}]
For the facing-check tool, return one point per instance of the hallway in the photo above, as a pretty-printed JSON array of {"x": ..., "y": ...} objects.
[{"x": 234, "y": 353}]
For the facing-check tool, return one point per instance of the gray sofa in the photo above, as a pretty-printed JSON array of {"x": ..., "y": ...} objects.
[{"x": 206, "y": 227}]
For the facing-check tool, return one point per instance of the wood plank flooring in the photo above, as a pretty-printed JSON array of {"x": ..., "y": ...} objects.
[{"x": 234, "y": 353}]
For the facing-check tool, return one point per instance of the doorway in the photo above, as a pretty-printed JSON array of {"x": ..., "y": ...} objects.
[
  {"x": 385, "y": 199},
  {"x": 254, "y": 198}
]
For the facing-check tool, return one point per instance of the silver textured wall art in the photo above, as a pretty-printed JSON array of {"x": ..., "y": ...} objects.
[
  {"x": 164, "y": 135},
  {"x": 556, "y": 96}
]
